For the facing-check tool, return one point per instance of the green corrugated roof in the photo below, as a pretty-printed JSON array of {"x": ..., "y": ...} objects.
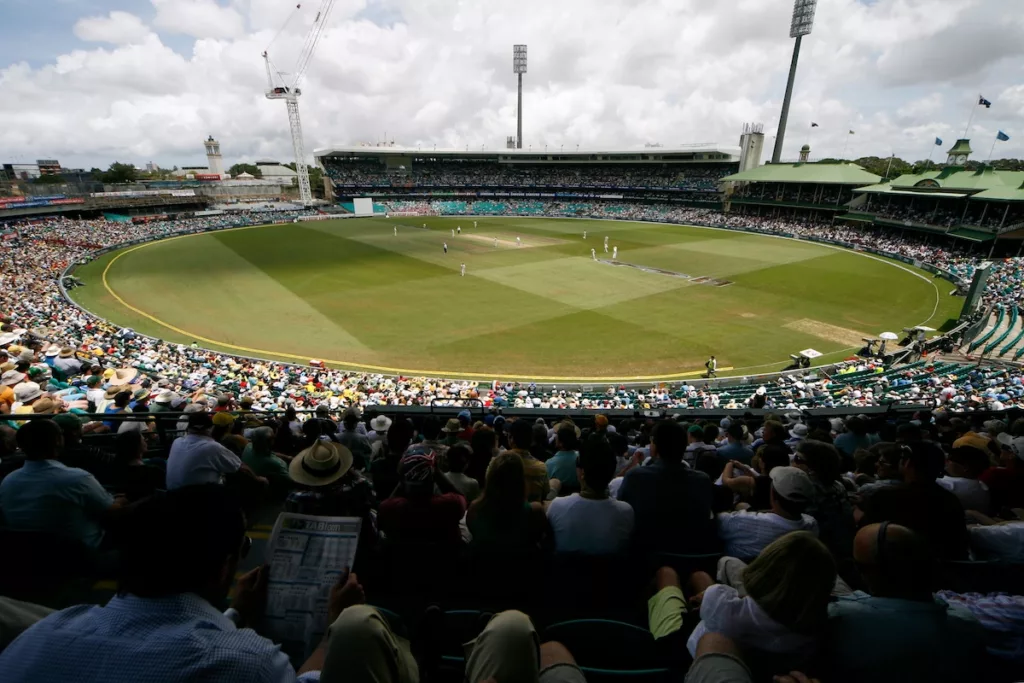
[
  {"x": 1006, "y": 194},
  {"x": 960, "y": 179},
  {"x": 826, "y": 174}
]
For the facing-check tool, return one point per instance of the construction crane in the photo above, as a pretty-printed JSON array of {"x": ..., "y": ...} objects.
[{"x": 287, "y": 89}]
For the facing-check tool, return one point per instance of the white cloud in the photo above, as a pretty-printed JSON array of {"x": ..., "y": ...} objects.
[
  {"x": 616, "y": 73},
  {"x": 198, "y": 18},
  {"x": 118, "y": 28}
]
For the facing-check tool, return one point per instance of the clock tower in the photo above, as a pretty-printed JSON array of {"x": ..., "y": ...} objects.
[{"x": 958, "y": 153}]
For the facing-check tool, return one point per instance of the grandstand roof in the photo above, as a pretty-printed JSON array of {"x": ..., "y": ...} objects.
[
  {"x": 826, "y": 174},
  {"x": 984, "y": 183},
  {"x": 709, "y": 151}
]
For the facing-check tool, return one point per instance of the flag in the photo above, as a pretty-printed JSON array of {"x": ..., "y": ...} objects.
[
  {"x": 938, "y": 142},
  {"x": 813, "y": 124},
  {"x": 984, "y": 103},
  {"x": 851, "y": 132},
  {"x": 1002, "y": 137}
]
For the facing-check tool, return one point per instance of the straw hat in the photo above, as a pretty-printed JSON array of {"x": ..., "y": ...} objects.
[
  {"x": 111, "y": 392},
  {"x": 45, "y": 405},
  {"x": 67, "y": 352},
  {"x": 323, "y": 463},
  {"x": 453, "y": 426},
  {"x": 123, "y": 376}
]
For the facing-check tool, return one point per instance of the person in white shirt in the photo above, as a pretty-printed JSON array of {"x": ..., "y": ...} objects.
[
  {"x": 591, "y": 522},
  {"x": 593, "y": 254},
  {"x": 197, "y": 458},
  {"x": 463, "y": 270},
  {"x": 745, "y": 534},
  {"x": 963, "y": 467},
  {"x": 615, "y": 252}
]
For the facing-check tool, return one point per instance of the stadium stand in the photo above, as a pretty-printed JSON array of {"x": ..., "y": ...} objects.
[{"x": 124, "y": 457}]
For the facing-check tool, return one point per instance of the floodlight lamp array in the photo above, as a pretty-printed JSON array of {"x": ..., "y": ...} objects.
[{"x": 803, "y": 17}]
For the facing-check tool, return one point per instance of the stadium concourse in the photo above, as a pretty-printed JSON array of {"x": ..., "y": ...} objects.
[{"x": 884, "y": 547}]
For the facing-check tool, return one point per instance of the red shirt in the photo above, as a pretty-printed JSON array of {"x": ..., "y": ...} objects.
[
  {"x": 434, "y": 520},
  {"x": 1006, "y": 487}
]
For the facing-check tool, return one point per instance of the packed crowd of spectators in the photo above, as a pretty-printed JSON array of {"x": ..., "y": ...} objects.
[
  {"x": 37, "y": 321},
  {"x": 450, "y": 174},
  {"x": 842, "y": 549}
]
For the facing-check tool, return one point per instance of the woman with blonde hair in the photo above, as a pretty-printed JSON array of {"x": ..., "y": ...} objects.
[
  {"x": 502, "y": 518},
  {"x": 779, "y": 610}
]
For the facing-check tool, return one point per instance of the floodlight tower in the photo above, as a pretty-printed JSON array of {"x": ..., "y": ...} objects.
[
  {"x": 519, "y": 68},
  {"x": 803, "y": 21}
]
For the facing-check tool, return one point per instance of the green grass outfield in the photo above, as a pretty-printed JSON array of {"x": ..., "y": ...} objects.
[{"x": 352, "y": 293}]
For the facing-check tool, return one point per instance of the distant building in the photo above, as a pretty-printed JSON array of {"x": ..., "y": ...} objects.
[
  {"x": 48, "y": 167},
  {"x": 273, "y": 170},
  {"x": 22, "y": 171}
]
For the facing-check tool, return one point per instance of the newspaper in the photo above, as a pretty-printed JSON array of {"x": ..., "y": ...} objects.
[{"x": 306, "y": 555}]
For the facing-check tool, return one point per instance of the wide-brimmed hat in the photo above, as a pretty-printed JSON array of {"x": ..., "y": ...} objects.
[
  {"x": 67, "y": 352},
  {"x": 380, "y": 424},
  {"x": 165, "y": 396},
  {"x": 141, "y": 394},
  {"x": 799, "y": 431},
  {"x": 52, "y": 352},
  {"x": 12, "y": 377},
  {"x": 27, "y": 391},
  {"x": 46, "y": 405},
  {"x": 123, "y": 376},
  {"x": 9, "y": 338},
  {"x": 111, "y": 392},
  {"x": 323, "y": 463},
  {"x": 452, "y": 426}
]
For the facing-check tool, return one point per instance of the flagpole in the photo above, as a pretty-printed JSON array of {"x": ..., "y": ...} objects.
[
  {"x": 846, "y": 144},
  {"x": 971, "y": 117},
  {"x": 993, "y": 149},
  {"x": 889, "y": 167}
]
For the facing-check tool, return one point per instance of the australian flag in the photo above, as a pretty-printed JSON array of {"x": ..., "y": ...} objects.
[
  {"x": 938, "y": 142},
  {"x": 984, "y": 103},
  {"x": 1002, "y": 137},
  {"x": 813, "y": 124}
]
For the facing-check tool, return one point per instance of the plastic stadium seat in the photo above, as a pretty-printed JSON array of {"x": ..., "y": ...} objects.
[{"x": 610, "y": 650}]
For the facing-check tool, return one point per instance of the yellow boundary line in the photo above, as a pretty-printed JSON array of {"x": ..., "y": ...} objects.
[
  {"x": 359, "y": 366},
  {"x": 303, "y": 360}
]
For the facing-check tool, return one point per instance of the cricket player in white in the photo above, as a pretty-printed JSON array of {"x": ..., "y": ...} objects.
[
  {"x": 593, "y": 254},
  {"x": 453, "y": 233},
  {"x": 584, "y": 234},
  {"x": 606, "y": 242},
  {"x": 615, "y": 252},
  {"x": 446, "y": 247},
  {"x": 519, "y": 242},
  {"x": 463, "y": 270},
  {"x": 495, "y": 242},
  {"x": 396, "y": 231},
  {"x": 458, "y": 229},
  {"x": 424, "y": 226},
  {"x": 474, "y": 224}
]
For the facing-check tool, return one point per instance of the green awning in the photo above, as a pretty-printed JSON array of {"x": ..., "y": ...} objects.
[{"x": 972, "y": 235}]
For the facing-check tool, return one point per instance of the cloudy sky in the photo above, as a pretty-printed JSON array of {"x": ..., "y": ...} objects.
[{"x": 93, "y": 81}]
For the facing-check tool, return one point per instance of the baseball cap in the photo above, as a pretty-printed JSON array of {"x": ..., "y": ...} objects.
[
  {"x": 1012, "y": 443},
  {"x": 792, "y": 484},
  {"x": 223, "y": 419}
]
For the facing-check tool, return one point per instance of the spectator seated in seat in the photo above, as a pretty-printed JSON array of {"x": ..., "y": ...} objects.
[
  {"x": 780, "y": 609},
  {"x": 415, "y": 512},
  {"x": 502, "y": 519},
  {"x": 746, "y": 534},
  {"x": 591, "y": 522},
  {"x": 896, "y": 631}
]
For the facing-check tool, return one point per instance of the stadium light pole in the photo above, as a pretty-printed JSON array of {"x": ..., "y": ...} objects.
[
  {"x": 803, "y": 21},
  {"x": 519, "y": 68}
]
